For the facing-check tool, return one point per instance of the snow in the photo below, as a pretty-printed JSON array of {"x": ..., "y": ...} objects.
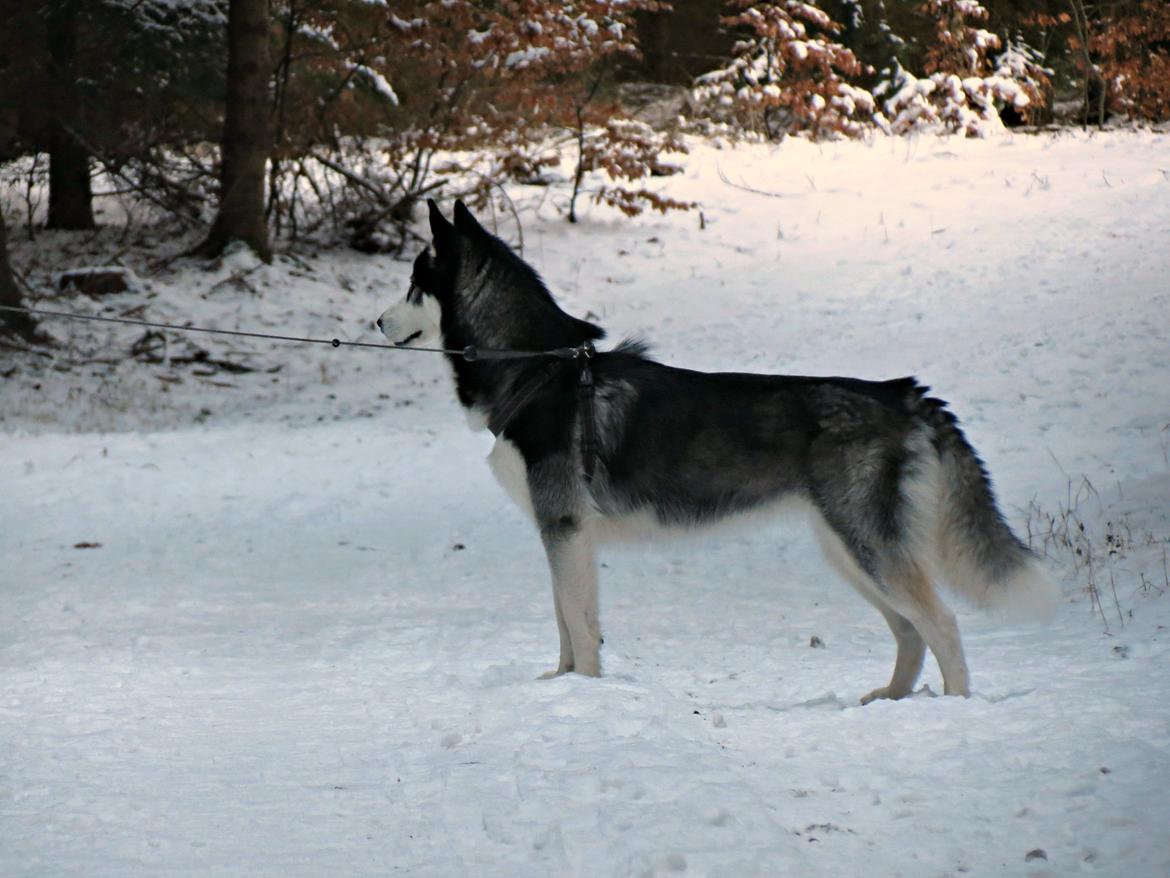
[
  {"x": 377, "y": 81},
  {"x": 308, "y": 637},
  {"x": 322, "y": 34},
  {"x": 524, "y": 57},
  {"x": 478, "y": 37}
]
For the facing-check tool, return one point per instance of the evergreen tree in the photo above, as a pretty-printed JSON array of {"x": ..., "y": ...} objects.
[
  {"x": 789, "y": 73},
  {"x": 966, "y": 80}
]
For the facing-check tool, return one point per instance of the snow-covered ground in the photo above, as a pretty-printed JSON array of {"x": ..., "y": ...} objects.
[{"x": 305, "y": 636}]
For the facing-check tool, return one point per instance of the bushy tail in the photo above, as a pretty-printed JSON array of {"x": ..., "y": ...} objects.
[{"x": 980, "y": 556}]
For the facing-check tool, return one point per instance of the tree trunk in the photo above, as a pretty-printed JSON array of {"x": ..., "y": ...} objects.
[
  {"x": 70, "y": 196},
  {"x": 10, "y": 322},
  {"x": 1096, "y": 89},
  {"x": 247, "y": 137}
]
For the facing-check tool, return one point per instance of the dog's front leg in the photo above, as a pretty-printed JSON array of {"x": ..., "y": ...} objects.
[
  {"x": 574, "y": 579},
  {"x": 566, "y": 662}
]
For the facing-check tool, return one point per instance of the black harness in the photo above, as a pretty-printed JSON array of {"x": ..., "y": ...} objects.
[{"x": 586, "y": 402}]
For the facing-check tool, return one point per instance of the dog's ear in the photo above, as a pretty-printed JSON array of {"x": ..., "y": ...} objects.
[
  {"x": 464, "y": 221},
  {"x": 441, "y": 230}
]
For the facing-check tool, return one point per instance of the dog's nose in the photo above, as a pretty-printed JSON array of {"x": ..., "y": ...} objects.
[{"x": 378, "y": 322}]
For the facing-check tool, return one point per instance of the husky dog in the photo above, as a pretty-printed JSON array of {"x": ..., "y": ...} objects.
[{"x": 619, "y": 444}]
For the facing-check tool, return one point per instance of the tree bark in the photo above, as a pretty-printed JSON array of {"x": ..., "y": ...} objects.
[
  {"x": 1096, "y": 89},
  {"x": 10, "y": 322},
  {"x": 247, "y": 135},
  {"x": 70, "y": 195}
]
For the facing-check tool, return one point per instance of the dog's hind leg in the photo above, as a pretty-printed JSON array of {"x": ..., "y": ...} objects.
[
  {"x": 908, "y": 664},
  {"x": 911, "y": 593},
  {"x": 911, "y": 646},
  {"x": 574, "y": 579}
]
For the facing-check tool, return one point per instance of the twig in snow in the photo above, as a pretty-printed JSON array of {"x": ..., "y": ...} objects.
[
  {"x": 1116, "y": 602},
  {"x": 744, "y": 187}
]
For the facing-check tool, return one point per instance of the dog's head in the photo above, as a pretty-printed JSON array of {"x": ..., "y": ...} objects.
[
  {"x": 468, "y": 287},
  {"x": 417, "y": 318}
]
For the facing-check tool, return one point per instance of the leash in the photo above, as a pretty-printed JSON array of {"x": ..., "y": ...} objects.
[
  {"x": 471, "y": 353},
  {"x": 581, "y": 354}
]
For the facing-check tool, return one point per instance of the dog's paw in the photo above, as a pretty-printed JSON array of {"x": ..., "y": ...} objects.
[
  {"x": 884, "y": 693},
  {"x": 551, "y": 675},
  {"x": 889, "y": 694}
]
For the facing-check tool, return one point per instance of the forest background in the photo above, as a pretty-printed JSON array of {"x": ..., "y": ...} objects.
[{"x": 270, "y": 121}]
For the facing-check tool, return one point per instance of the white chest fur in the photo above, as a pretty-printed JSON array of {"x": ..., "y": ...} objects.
[
  {"x": 477, "y": 418},
  {"x": 508, "y": 467}
]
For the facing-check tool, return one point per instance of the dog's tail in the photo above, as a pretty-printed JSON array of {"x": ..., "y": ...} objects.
[{"x": 979, "y": 555}]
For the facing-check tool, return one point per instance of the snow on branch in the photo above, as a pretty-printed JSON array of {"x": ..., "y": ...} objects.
[
  {"x": 965, "y": 85},
  {"x": 378, "y": 82}
]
